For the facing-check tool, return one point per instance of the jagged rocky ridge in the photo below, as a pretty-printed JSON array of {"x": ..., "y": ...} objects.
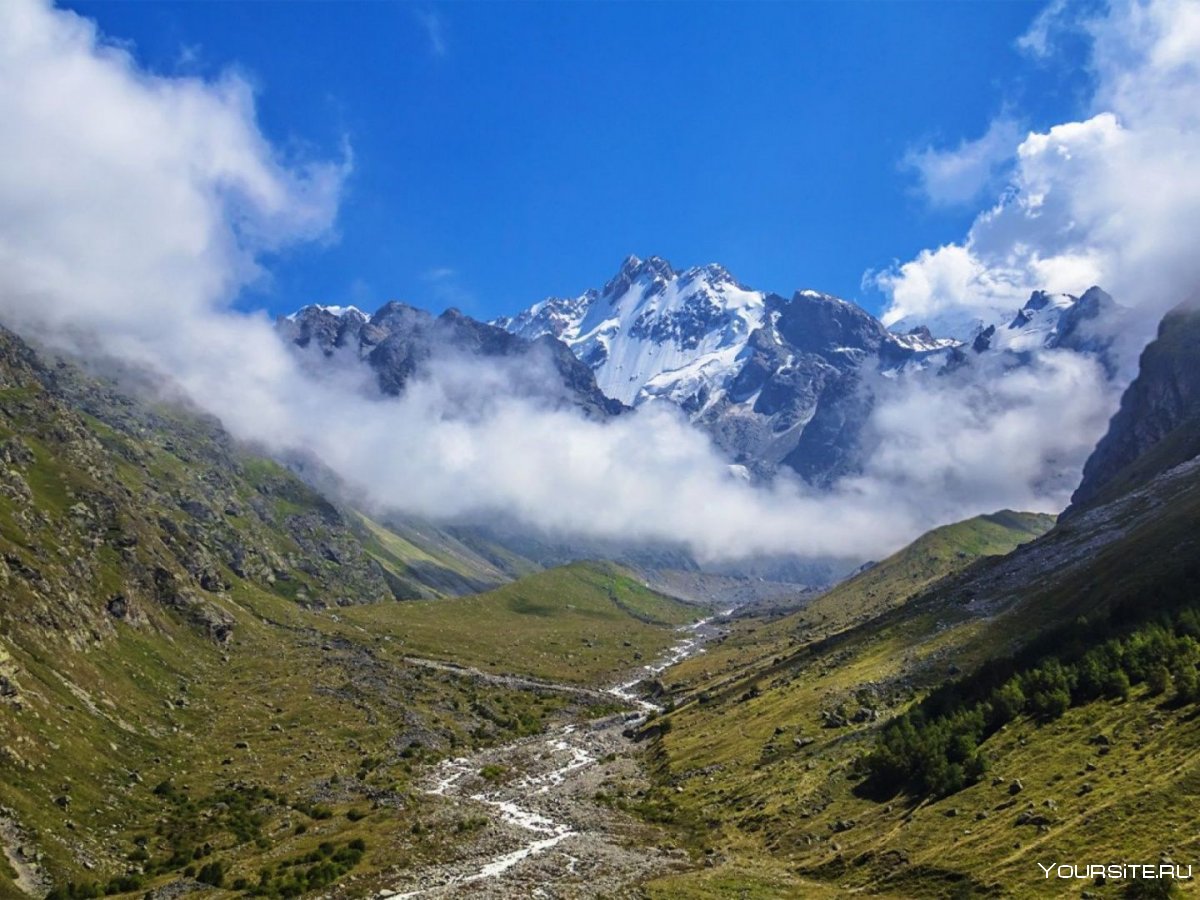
[
  {"x": 400, "y": 342},
  {"x": 1158, "y": 423},
  {"x": 778, "y": 381}
]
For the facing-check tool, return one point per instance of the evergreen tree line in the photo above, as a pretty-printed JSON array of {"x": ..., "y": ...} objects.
[{"x": 935, "y": 748}]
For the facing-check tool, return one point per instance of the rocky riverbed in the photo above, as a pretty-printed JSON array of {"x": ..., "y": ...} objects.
[{"x": 542, "y": 823}]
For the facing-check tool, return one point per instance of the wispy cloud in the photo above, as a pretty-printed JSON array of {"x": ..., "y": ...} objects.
[
  {"x": 960, "y": 175},
  {"x": 190, "y": 58},
  {"x": 446, "y": 288},
  {"x": 435, "y": 30},
  {"x": 1038, "y": 39}
]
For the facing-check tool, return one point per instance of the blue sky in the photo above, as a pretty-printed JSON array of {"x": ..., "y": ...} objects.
[{"x": 504, "y": 152}]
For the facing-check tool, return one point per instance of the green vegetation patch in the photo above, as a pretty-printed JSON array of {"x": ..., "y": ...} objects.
[{"x": 579, "y": 623}]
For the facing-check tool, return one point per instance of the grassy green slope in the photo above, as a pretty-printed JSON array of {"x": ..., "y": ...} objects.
[
  {"x": 179, "y": 686},
  {"x": 425, "y": 562},
  {"x": 759, "y": 765},
  {"x": 930, "y": 557},
  {"x": 886, "y": 585},
  {"x": 580, "y": 622},
  {"x": 291, "y": 705}
]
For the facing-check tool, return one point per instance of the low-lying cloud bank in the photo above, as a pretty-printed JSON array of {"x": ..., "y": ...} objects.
[{"x": 134, "y": 207}]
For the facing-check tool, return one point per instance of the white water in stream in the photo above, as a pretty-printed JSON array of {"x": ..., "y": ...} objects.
[{"x": 565, "y": 742}]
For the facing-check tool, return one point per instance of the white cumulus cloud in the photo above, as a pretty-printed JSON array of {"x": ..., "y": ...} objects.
[{"x": 1112, "y": 199}]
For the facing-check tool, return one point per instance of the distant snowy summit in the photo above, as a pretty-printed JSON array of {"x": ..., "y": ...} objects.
[
  {"x": 1085, "y": 324},
  {"x": 775, "y": 382},
  {"x": 337, "y": 312},
  {"x": 653, "y": 332},
  {"x": 649, "y": 323}
]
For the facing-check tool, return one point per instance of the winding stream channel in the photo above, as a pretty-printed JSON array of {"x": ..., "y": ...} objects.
[{"x": 551, "y": 837}]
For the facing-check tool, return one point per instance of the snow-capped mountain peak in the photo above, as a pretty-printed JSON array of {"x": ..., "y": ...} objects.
[
  {"x": 1049, "y": 321},
  {"x": 779, "y": 382},
  {"x": 335, "y": 311},
  {"x": 648, "y": 322},
  {"x": 654, "y": 272},
  {"x": 775, "y": 382},
  {"x": 921, "y": 340},
  {"x": 1036, "y": 322}
]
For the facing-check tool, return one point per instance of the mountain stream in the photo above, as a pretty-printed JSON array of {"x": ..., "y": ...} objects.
[{"x": 549, "y": 835}]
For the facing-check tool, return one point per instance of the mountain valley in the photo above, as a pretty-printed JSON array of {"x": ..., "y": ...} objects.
[
  {"x": 375, "y": 525},
  {"x": 220, "y": 674},
  {"x": 187, "y": 697}
]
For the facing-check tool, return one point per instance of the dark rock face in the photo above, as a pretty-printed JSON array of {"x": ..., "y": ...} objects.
[
  {"x": 1080, "y": 327},
  {"x": 399, "y": 342},
  {"x": 819, "y": 323},
  {"x": 983, "y": 340},
  {"x": 802, "y": 379},
  {"x": 1158, "y": 423},
  {"x": 657, "y": 269},
  {"x": 321, "y": 328},
  {"x": 830, "y": 446},
  {"x": 160, "y": 515}
]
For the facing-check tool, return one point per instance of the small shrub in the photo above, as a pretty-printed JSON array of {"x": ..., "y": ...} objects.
[
  {"x": 493, "y": 772},
  {"x": 212, "y": 873},
  {"x": 1158, "y": 679}
]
